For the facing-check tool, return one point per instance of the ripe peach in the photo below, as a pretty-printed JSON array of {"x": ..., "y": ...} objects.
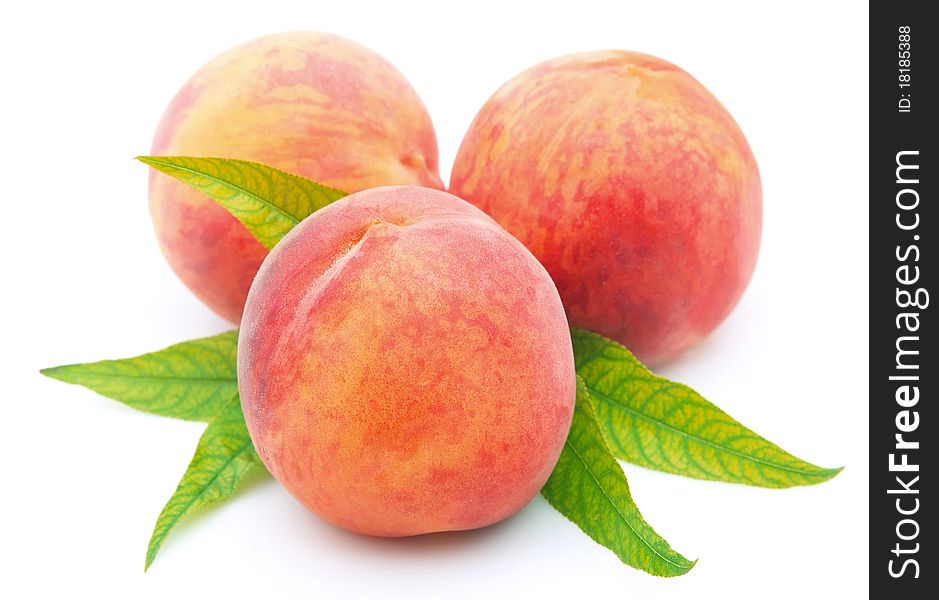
[
  {"x": 633, "y": 186},
  {"x": 405, "y": 365},
  {"x": 311, "y": 104}
]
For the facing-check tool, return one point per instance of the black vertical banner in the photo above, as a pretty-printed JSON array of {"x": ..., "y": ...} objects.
[{"x": 904, "y": 370}]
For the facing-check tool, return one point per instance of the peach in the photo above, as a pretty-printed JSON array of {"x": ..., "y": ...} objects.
[
  {"x": 311, "y": 104},
  {"x": 633, "y": 186},
  {"x": 405, "y": 365}
]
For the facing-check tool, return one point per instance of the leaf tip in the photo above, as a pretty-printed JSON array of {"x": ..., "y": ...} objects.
[
  {"x": 816, "y": 476},
  {"x": 52, "y": 373},
  {"x": 155, "y": 161},
  {"x": 681, "y": 568},
  {"x": 821, "y": 475},
  {"x": 153, "y": 547},
  {"x": 679, "y": 565}
]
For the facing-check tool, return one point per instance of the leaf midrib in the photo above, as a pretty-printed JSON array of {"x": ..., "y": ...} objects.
[
  {"x": 213, "y": 380},
  {"x": 617, "y": 509},
  {"x": 594, "y": 393},
  {"x": 277, "y": 209}
]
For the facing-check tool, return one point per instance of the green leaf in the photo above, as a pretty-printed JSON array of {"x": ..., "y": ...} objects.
[
  {"x": 267, "y": 201},
  {"x": 653, "y": 422},
  {"x": 588, "y": 487},
  {"x": 223, "y": 458},
  {"x": 191, "y": 380}
]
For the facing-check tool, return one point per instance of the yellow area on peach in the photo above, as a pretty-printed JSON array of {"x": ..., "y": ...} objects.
[{"x": 312, "y": 104}]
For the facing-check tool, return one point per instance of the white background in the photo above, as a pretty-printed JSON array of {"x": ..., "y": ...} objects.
[{"x": 83, "y": 87}]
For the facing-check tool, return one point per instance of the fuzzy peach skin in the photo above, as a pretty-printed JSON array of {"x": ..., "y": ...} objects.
[
  {"x": 405, "y": 365},
  {"x": 633, "y": 186},
  {"x": 312, "y": 104}
]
